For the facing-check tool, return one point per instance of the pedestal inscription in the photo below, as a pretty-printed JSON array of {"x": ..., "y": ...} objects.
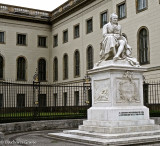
[
  {"x": 131, "y": 113},
  {"x": 101, "y": 90}
]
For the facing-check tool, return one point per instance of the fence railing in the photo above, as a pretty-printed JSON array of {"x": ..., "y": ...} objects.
[
  {"x": 37, "y": 101},
  {"x": 151, "y": 91}
]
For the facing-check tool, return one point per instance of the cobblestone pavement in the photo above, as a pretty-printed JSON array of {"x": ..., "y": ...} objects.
[{"x": 35, "y": 138}]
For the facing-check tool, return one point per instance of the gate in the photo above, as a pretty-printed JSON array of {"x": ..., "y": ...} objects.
[
  {"x": 39, "y": 101},
  {"x": 151, "y": 92}
]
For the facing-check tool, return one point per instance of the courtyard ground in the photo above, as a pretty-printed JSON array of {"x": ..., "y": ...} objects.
[
  {"x": 36, "y": 138},
  {"x": 41, "y": 138}
]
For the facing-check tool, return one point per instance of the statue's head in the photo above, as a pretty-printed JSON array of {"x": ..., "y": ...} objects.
[{"x": 114, "y": 18}]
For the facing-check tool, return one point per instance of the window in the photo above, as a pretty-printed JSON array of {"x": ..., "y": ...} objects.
[
  {"x": 21, "y": 68},
  {"x": 89, "y": 58},
  {"x": 1, "y": 100},
  {"x": 143, "y": 46},
  {"x": 141, "y": 5},
  {"x": 76, "y": 98},
  {"x": 55, "y": 69},
  {"x": 1, "y": 67},
  {"x": 103, "y": 19},
  {"x": 89, "y": 26},
  {"x": 42, "y": 100},
  {"x": 55, "y": 96},
  {"x": 21, "y": 39},
  {"x": 65, "y": 67},
  {"x": 42, "y": 70},
  {"x": 76, "y": 31},
  {"x": 42, "y": 41},
  {"x": 55, "y": 40},
  {"x": 20, "y": 100},
  {"x": 65, "y": 99},
  {"x": 2, "y": 41},
  {"x": 121, "y": 10},
  {"x": 76, "y": 64},
  {"x": 65, "y": 36}
]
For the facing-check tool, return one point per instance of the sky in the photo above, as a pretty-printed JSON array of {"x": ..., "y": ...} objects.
[{"x": 47, "y": 5}]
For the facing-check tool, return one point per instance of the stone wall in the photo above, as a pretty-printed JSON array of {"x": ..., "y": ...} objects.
[{"x": 18, "y": 127}]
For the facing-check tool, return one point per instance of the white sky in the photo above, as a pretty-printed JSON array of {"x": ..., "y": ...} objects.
[{"x": 47, "y": 5}]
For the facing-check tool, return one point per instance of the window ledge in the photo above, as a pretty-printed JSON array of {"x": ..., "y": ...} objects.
[
  {"x": 77, "y": 37},
  {"x": 119, "y": 19},
  {"x": 2, "y": 43},
  {"x": 42, "y": 47},
  {"x": 138, "y": 11},
  {"x": 55, "y": 46},
  {"x": 21, "y": 45},
  {"x": 21, "y": 80},
  {"x": 42, "y": 80},
  {"x": 89, "y": 32},
  {"x": 77, "y": 76},
  {"x": 146, "y": 63},
  {"x": 65, "y": 42}
]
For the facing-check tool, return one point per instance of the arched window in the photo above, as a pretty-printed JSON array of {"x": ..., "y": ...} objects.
[
  {"x": 89, "y": 57},
  {"x": 42, "y": 70},
  {"x": 76, "y": 64},
  {"x": 21, "y": 68},
  {"x": 143, "y": 46},
  {"x": 65, "y": 66},
  {"x": 55, "y": 69},
  {"x": 1, "y": 67}
]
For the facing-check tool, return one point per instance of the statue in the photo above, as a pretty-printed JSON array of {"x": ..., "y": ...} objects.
[{"x": 114, "y": 45}]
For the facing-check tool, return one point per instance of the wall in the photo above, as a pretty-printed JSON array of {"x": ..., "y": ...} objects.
[
  {"x": 10, "y": 51},
  {"x": 18, "y": 127},
  {"x": 94, "y": 38}
]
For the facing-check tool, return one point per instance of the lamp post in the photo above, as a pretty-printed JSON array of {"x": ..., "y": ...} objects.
[
  {"x": 87, "y": 87},
  {"x": 36, "y": 92}
]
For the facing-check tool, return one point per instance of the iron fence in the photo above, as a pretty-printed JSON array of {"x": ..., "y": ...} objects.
[
  {"x": 37, "y": 101},
  {"x": 151, "y": 92}
]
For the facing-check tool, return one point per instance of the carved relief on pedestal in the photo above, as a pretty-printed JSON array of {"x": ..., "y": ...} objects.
[
  {"x": 101, "y": 90},
  {"x": 127, "y": 89}
]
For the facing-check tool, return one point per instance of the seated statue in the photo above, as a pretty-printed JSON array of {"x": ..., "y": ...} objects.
[{"x": 114, "y": 45}]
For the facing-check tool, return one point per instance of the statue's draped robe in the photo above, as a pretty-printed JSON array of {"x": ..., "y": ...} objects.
[{"x": 112, "y": 36}]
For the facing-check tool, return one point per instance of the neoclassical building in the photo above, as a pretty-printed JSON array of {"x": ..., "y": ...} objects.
[{"x": 63, "y": 44}]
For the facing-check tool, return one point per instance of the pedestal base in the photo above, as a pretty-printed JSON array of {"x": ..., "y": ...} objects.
[
  {"x": 117, "y": 115},
  {"x": 90, "y": 138}
]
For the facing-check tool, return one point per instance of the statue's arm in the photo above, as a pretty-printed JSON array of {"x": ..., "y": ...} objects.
[
  {"x": 120, "y": 30},
  {"x": 105, "y": 30}
]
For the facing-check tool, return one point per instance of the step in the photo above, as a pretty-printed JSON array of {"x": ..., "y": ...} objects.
[
  {"x": 118, "y": 123},
  {"x": 105, "y": 142},
  {"x": 115, "y": 130},
  {"x": 111, "y": 136}
]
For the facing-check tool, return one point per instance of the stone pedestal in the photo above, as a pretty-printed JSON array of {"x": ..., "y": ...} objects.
[{"x": 117, "y": 115}]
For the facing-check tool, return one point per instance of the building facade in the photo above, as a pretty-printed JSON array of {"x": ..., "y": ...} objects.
[{"x": 63, "y": 44}]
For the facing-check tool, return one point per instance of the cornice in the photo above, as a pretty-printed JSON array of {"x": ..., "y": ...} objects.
[{"x": 40, "y": 16}]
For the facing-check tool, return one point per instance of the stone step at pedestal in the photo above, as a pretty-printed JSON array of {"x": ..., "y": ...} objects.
[
  {"x": 95, "y": 139},
  {"x": 111, "y": 136},
  {"x": 118, "y": 123},
  {"x": 116, "y": 130}
]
